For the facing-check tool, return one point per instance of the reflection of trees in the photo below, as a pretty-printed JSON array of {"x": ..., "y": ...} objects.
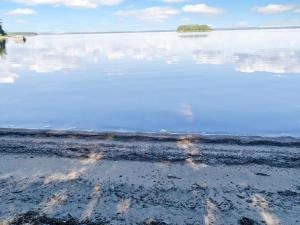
[
  {"x": 193, "y": 35},
  {"x": 2, "y": 48},
  {"x": 2, "y": 32}
]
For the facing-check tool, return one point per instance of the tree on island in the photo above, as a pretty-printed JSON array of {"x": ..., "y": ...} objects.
[
  {"x": 194, "y": 28},
  {"x": 2, "y": 32}
]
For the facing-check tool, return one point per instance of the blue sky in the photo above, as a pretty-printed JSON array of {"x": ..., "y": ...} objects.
[{"x": 124, "y": 15}]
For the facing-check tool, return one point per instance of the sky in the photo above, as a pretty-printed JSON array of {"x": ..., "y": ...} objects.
[{"x": 133, "y": 15}]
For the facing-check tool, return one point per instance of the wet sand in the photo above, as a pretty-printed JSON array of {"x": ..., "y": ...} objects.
[{"x": 62, "y": 177}]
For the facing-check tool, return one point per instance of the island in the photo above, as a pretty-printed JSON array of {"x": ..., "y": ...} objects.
[{"x": 194, "y": 28}]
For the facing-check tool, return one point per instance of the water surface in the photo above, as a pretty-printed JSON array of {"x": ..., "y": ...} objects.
[{"x": 224, "y": 82}]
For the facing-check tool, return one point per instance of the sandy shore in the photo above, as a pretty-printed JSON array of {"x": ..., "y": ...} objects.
[{"x": 58, "y": 177}]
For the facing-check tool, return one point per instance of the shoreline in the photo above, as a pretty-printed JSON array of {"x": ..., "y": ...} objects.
[
  {"x": 209, "y": 149},
  {"x": 171, "y": 31},
  {"x": 155, "y": 136},
  {"x": 59, "y": 131}
]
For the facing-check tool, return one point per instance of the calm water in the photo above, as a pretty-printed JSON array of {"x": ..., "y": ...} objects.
[{"x": 225, "y": 82}]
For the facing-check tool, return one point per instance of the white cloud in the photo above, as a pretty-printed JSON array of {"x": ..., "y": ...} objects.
[
  {"x": 283, "y": 22},
  {"x": 185, "y": 19},
  {"x": 23, "y": 12},
  {"x": 271, "y": 62},
  {"x": 270, "y": 51},
  {"x": 7, "y": 79},
  {"x": 156, "y": 14},
  {"x": 6, "y": 75},
  {"x": 72, "y": 3},
  {"x": 186, "y": 111},
  {"x": 280, "y": 63},
  {"x": 202, "y": 9},
  {"x": 20, "y": 21},
  {"x": 173, "y": 1},
  {"x": 242, "y": 23},
  {"x": 211, "y": 57},
  {"x": 297, "y": 10},
  {"x": 273, "y": 9}
]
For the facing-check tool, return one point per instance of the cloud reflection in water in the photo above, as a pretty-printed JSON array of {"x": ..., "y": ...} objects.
[{"x": 247, "y": 51}]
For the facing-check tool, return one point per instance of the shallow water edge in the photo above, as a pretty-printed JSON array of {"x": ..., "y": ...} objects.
[
  {"x": 163, "y": 136},
  {"x": 193, "y": 149}
]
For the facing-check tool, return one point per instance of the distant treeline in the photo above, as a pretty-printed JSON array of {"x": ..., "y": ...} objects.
[
  {"x": 22, "y": 33},
  {"x": 194, "y": 28}
]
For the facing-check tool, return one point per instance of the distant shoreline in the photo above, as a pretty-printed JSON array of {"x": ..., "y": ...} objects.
[{"x": 168, "y": 31}]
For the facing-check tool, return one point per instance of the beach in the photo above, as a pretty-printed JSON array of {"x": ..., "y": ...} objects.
[
  {"x": 168, "y": 112},
  {"x": 72, "y": 177}
]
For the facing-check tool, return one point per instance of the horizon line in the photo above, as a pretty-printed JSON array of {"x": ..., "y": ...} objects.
[{"x": 157, "y": 31}]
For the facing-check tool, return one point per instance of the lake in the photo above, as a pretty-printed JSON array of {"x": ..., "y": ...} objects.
[{"x": 224, "y": 82}]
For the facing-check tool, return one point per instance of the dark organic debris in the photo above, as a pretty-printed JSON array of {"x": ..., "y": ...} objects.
[
  {"x": 289, "y": 193},
  {"x": 246, "y": 221},
  {"x": 171, "y": 176},
  {"x": 262, "y": 174},
  {"x": 154, "y": 222},
  {"x": 34, "y": 218}
]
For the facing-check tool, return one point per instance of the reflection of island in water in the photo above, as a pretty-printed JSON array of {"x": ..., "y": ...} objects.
[
  {"x": 2, "y": 48},
  {"x": 192, "y": 35}
]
